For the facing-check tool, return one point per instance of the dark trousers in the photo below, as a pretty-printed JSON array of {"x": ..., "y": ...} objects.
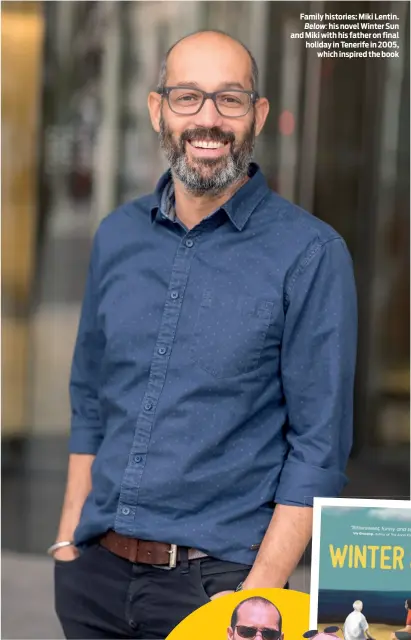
[{"x": 99, "y": 595}]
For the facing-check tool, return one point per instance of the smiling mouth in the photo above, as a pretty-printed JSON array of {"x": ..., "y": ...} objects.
[
  {"x": 203, "y": 148},
  {"x": 207, "y": 144}
]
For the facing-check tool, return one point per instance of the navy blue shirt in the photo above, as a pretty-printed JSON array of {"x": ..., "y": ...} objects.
[{"x": 213, "y": 370}]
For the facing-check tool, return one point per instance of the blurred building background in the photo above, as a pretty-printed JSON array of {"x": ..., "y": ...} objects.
[{"x": 77, "y": 141}]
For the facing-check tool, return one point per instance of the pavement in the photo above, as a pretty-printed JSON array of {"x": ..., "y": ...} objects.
[{"x": 27, "y": 597}]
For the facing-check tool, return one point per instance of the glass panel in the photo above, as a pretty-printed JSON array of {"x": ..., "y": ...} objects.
[
  {"x": 391, "y": 293},
  {"x": 22, "y": 30}
]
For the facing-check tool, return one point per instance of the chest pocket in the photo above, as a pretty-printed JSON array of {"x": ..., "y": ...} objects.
[{"x": 229, "y": 333}]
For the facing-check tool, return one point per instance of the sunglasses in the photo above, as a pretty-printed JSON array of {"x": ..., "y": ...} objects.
[
  {"x": 331, "y": 631},
  {"x": 251, "y": 632}
]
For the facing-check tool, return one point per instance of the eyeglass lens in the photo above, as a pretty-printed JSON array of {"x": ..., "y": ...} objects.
[
  {"x": 188, "y": 102},
  {"x": 251, "y": 632}
]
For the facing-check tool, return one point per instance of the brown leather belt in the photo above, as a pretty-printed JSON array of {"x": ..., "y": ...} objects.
[{"x": 145, "y": 551}]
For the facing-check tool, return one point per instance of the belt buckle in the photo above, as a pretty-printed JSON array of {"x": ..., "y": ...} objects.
[{"x": 173, "y": 556}]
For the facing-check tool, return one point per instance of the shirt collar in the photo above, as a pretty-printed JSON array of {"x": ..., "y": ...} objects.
[
  {"x": 240, "y": 206},
  {"x": 167, "y": 202}
]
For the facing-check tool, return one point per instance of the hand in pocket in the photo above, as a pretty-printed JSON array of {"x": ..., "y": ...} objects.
[
  {"x": 220, "y": 594},
  {"x": 66, "y": 554}
]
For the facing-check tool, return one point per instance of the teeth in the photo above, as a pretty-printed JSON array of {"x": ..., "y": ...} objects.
[{"x": 204, "y": 144}]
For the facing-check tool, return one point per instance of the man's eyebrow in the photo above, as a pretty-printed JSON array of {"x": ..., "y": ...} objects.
[
  {"x": 187, "y": 84},
  {"x": 232, "y": 85},
  {"x": 221, "y": 86}
]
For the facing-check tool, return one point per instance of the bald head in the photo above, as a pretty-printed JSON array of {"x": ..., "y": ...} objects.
[
  {"x": 254, "y": 610},
  {"x": 209, "y": 45}
]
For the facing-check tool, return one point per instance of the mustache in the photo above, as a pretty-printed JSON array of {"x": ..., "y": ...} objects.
[{"x": 214, "y": 134}]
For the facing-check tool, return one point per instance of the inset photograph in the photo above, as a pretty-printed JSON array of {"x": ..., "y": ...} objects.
[{"x": 254, "y": 614}]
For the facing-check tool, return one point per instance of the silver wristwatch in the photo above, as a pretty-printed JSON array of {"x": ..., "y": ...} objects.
[{"x": 59, "y": 545}]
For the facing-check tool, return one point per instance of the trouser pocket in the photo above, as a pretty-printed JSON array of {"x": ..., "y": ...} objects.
[{"x": 218, "y": 575}]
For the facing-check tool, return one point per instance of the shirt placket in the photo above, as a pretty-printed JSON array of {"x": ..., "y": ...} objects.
[{"x": 131, "y": 483}]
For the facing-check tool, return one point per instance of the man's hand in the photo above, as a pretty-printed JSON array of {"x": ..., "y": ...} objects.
[
  {"x": 66, "y": 554},
  {"x": 220, "y": 594},
  {"x": 282, "y": 547},
  {"x": 77, "y": 490}
]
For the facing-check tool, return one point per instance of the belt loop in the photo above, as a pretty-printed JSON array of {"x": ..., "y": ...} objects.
[{"x": 185, "y": 565}]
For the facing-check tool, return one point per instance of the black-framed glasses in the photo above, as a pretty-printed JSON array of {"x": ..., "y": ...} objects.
[
  {"x": 251, "y": 632},
  {"x": 230, "y": 103}
]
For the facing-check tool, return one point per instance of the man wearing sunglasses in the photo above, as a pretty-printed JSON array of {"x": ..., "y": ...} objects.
[
  {"x": 255, "y": 618},
  {"x": 212, "y": 377}
]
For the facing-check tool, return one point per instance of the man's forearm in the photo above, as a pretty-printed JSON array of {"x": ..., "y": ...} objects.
[
  {"x": 77, "y": 489},
  {"x": 283, "y": 545}
]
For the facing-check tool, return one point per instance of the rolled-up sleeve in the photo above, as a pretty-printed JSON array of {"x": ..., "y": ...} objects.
[
  {"x": 86, "y": 427},
  {"x": 317, "y": 366}
]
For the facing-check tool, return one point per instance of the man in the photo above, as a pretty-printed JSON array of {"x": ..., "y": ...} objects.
[
  {"x": 356, "y": 625},
  {"x": 212, "y": 376},
  {"x": 404, "y": 634},
  {"x": 257, "y": 618}
]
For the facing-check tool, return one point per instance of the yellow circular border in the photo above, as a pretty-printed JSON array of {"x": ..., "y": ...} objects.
[{"x": 211, "y": 621}]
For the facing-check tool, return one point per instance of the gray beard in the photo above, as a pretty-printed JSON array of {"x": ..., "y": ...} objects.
[{"x": 206, "y": 175}]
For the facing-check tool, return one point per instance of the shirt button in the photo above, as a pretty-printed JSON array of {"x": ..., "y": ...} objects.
[
  {"x": 162, "y": 351},
  {"x": 148, "y": 406},
  {"x": 189, "y": 243},
  {"x": 125, "y": 511},
  {"x": 174, "y": 295},
  {"x": 137, "y": 459}
]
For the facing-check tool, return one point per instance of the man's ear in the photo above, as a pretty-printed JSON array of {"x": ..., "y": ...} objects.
[
  {"x": 262, "y": 107},
  {"x": 230, "y": 633},
  {"x": 154, "y": 109}
]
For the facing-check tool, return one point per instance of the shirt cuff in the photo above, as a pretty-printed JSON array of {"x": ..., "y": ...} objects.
[
  {"x": 85, "y": 439},
  {"x": 300, "y": 483}
]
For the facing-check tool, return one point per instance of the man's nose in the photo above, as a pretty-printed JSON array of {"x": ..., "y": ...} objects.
[{"x": 208, "y": 116}]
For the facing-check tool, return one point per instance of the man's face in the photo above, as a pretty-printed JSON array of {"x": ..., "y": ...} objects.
[
  {"x": 209, "y": 62},
  {"x": 256, "y": 620}
]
